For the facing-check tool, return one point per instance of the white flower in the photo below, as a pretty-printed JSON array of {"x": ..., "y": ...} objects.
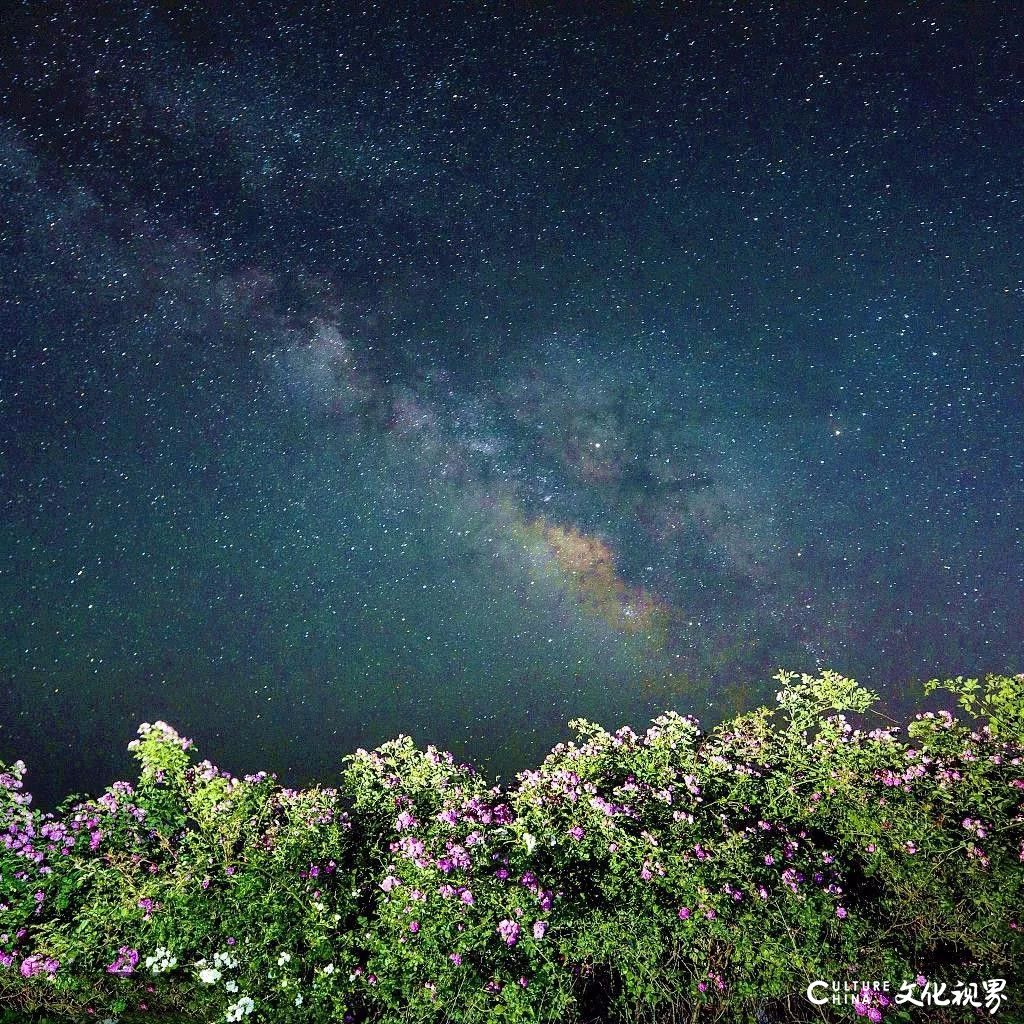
[
  {"x": 298, "y": 998},
  {"x": 530, "y": 841},
  {"x": 329, "y": 969},
  {"x": 231, "y": 986},
  {"x": 161, "y": 961},
  {"x": 209, "y": 976},
  {"x": 283, "y": 959},
  {"x": 236, "y": 1011}
]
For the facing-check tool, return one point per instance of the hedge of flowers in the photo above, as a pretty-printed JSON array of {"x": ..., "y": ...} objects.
[{"x": 678, "y": 875}]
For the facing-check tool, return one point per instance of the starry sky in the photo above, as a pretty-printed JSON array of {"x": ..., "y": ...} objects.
[{"x": 460, "y": 369}]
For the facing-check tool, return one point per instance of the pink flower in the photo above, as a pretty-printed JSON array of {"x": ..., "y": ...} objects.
[
  {"x": 414, "y": 926},
  {"x": 509, "y": 931},
  {"x": 684, "y": 913},
  {"x": 840, "y": 912},
  {"x": 539, "y": 928}
]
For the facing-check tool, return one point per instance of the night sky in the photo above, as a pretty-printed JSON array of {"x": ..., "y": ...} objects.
[{"x": 460, "y": 370}]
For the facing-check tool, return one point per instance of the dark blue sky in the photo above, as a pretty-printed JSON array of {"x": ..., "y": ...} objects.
[{"x": 457, "y": 370}]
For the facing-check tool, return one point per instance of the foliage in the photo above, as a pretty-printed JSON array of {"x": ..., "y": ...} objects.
[{"x": 679, "y": 874}]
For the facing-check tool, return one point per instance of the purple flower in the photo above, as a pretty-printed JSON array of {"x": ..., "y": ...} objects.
[
  {"x": 840, "y": 912},
  {"x": 456, "y": 959},
  {"x": 125, "y": 963},
  {"x": 458, "y": 857},
  {"x": 414, "y": 926},
  {"x": 684, "y": 913},
  {"x": 37, "y": 964},
  {"x": 576, "y": 832},
  {"x": 539, "y": 928},
  {"x": 509, "y": 931}
]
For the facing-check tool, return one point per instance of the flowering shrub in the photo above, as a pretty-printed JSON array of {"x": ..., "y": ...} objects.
[{"x": 678, "y": 874}]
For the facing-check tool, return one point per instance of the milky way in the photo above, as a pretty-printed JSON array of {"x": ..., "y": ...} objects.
[{"x": 461, "y": 373}]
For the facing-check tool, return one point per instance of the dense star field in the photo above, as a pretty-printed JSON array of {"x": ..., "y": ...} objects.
[{"x": 458, "y": 371}]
